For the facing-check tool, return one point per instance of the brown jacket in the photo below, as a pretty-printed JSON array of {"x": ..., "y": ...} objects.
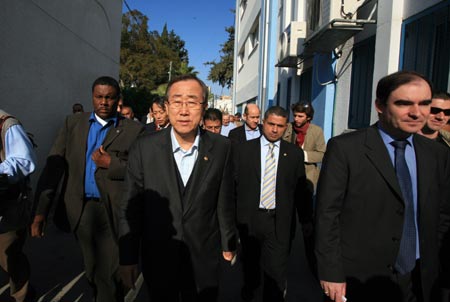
[{"x": 314, "y": 147}]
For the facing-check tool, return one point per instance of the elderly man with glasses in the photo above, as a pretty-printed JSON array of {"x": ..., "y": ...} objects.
[{"x": 182, "y": 218}]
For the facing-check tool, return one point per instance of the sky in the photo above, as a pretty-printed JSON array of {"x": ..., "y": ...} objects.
[{"x": 200, "y": 23}]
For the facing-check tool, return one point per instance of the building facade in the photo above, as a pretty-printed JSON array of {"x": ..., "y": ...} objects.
[{"x": 333, "y": 52}]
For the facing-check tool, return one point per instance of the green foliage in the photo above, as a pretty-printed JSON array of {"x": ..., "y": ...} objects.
[
  {"x": 222, "y": 72},
  {"x": 139, "y": 99},
  {"x": 146, "y": 56}
]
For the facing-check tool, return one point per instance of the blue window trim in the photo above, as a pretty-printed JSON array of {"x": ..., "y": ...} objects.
[{"x": 413, "y": 18}]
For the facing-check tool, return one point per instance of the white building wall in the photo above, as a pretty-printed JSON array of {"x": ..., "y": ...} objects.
[
  {"x": 342, "y": 97},
  {"x": 51, "y": 53},
  {"x": 390, "y": 16},
  {"x": 246, "y": 77}
]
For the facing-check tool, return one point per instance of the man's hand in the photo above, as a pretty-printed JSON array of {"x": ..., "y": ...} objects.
[
  {"x": 37, "y": 227},
  {"x": 129, "y": 275},
  {"x": 335, "y": 291},
  {"x": 228, "y": 256},
  {"x": 101, "y": 158}
]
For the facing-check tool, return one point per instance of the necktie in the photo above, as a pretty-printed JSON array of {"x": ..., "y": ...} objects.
[
  {"x": 406, "y": 259},
  {"x": 268, "y": 193}
]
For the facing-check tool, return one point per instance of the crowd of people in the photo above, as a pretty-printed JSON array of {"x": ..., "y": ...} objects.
[{"x": 172, "y": 194}]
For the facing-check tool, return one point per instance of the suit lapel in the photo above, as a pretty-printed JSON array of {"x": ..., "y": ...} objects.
[
  {"x": 283, "y": 160},
  {"x": 424, "y": 164},
  {"x": 243, "y": 136},
  {"x": 379, "y": 156},
  {"x": 113, "y": 133},
  {"x": 81, "y": 137},
  {"x": 255, "y": 157},
  {"x": 204, "y": 161},
  {"x": 165, "y": 157}
]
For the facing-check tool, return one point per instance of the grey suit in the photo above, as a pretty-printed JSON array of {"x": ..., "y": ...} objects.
[{"x": 94, "y": 220}]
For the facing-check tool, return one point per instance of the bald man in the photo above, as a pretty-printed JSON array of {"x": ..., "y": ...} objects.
[{"x": 251, "y": 129}]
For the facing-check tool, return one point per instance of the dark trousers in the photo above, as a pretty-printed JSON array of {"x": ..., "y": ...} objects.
[
  {"x": 264, "y": 260},
  {"x": 396, "y": 288},
  {"x": 100, "y": 252},
  {"x": 410, "y": 285},
  {"x": 14, "y": 262},
  {"x": 171, "y": 277}
]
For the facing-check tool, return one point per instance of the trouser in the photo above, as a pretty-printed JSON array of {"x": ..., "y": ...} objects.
[
  {"x": 264, "y": 261},
  {"x": 15, "y": 263},
  {"x": 100, "y": 252},
  {"x": 170, "y": 275},
  {"x": 394, "y": 288}
]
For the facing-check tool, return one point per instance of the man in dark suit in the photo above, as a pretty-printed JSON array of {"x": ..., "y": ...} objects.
[
  {"x": 178, "y": 209},
  {"x": 382, "y": 201},
  {"x": 212, "y": 120},
  {"x": 159, "y": 113},
  {"x": 251, "y": 129},
  {"x": 270, "y": 184},
  {"x": 91, "y": 152}
]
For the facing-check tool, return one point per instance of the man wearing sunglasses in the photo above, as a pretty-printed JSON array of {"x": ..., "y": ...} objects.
[
  {"x": 439, "y": 117},
  {"x": 434, "y": 129}
]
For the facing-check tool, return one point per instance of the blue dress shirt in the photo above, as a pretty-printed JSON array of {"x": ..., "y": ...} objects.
[
  {"x": 410, "y": 156},
  {"x": 226, "y": 129},
  {"x": 97, "y": 133},
  {"x": 185, "y": 159},
  {"x": 20, "y": 158},
  {"x": 250, "y": 133}
]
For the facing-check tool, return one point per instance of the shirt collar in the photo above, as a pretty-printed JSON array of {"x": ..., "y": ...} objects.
[
  {"x": 247, "y": 128},
  {"x": 176, "y": 146},
  {"x": 265, "y": 142},
  {"x": 94, "y": 117},
  {"x": 388, "y": 139}
]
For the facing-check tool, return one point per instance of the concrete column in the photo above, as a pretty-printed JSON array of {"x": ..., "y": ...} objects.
[{"x": 387, "y": 43}]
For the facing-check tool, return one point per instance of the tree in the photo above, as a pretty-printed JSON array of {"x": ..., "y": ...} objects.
[
  {"x": 222, "y": 71},
  {"x": 145, "y": 57},
  {"x": 145, "y": 60}
]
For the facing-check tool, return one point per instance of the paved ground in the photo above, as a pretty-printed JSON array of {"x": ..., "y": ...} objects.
[{"x": 57, "y": 273}]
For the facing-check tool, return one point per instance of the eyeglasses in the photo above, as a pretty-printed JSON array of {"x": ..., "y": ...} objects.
[
  {"x": 189, "y": 104},
  {"x": 436, "y": 110}
]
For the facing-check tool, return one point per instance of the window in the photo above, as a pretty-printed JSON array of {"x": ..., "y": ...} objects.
[
  {"x": 241, "y": 59},
  {"x": 253, "y": 39},
  {"x": 306, "y": 86},
  {"x": 242, "y": 7},
  {"x": 314, "y": 13},
  {"x": 361, "y": 85},
  {"x": 426, "y": 44},
  {"x": 289, "y": 97}
]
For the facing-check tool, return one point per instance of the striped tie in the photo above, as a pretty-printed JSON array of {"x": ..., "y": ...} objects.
[{"x": 268, "y": 193}]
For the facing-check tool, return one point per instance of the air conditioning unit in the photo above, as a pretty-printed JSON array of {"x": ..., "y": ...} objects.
[
  {"x": 290, "y": 44},
  {"x": 337, "y": 9}
]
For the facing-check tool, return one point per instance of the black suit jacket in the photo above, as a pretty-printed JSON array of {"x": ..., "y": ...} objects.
[
  {"x": 360, "y": 208},
  {"x": 68, "y": 158},
  {"x": 171, "y": 222},
  {"x": 290, "y": 187},
  {"x": 150, "y": 128},
  {"x": 237, "y": 135}
]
